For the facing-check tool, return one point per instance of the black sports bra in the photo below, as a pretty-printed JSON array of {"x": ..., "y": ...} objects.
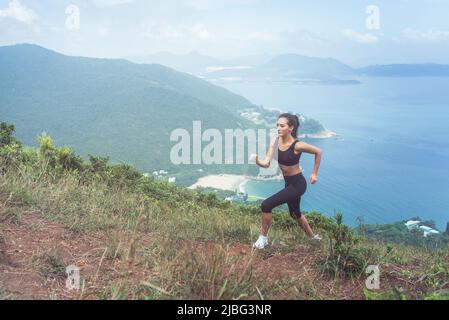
[{"x": 288, "y": 157}]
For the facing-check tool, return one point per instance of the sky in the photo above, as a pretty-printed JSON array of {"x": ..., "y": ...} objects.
[{"x": 357, "y": 32}]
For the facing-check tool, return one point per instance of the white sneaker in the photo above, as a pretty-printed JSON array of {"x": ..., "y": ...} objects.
[
  {"x": 261, "y": 243},
  {"x": 316, "y": 239}
]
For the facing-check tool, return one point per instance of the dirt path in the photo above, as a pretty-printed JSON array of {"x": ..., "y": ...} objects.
[{"x": 32, "y": 248}]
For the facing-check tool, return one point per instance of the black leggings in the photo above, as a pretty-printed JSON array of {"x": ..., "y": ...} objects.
[{"x": 295, "y": 186}]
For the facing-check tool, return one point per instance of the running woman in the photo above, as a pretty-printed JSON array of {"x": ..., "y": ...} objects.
[{"x": 288, "y": 149}]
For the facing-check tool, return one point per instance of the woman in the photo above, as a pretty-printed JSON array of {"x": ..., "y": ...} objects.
[{"x": 288, "y": 149}]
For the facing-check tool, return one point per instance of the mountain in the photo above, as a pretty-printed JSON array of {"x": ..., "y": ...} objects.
[
  {"x": 286, "y": 67},
  {"x": 103, "y": 106},
  {"x": 193, "y": 62},
  {"x": 293, "y": 67},
  {"x": 299, "y": 65},
  {"x": 406, "y": 70},
  {"x": 198, "y": 64}
]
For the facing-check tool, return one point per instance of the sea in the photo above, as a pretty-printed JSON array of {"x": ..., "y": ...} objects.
[{"x": 390, "y": 160}]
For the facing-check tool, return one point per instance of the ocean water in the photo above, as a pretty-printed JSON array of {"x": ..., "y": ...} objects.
[{"x": 391, "y": 160}]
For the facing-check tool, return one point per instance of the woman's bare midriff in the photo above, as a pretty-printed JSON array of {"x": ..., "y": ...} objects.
[{"x": 289, "y": 170}]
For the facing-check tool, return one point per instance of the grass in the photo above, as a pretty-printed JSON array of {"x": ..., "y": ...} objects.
[
  {"x": 191, "y": 273},
  {"x": 50, "y": 264},
  {"x": 4, "y": 295},
  {"x": 183, "y": 241},
  {"x": 12, "y": 214}
]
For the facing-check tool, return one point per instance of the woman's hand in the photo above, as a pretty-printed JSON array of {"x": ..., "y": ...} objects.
[{"x": 313, "y": 178}]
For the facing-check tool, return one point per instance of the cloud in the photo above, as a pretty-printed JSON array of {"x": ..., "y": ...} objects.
[
  {"x": 110, "y": 3},
  {"x": 365, "y": 38},
  {"x": 19, "y": 12},
  {"x": 200, "y": 31},
  {"x": 429, "y": 35},
  {"x": 163, "y": 30},
  {"x": 261, "y": 36},
  {"x": 214, "y": 4},
  {"x": 214, "y": 69},
  {"x": 103, "y": 31},
  {"x": 302, "y": 35},
  {"x": 199, "y": 4}
]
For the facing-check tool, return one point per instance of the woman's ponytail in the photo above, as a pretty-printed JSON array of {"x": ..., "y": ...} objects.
[{"x": 295, "y": 130}]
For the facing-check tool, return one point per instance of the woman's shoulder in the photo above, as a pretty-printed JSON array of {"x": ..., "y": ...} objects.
[{"x": 299, "y": 144}]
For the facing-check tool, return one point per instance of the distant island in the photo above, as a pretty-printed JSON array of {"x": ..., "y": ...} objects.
[
  {"x": 289, "y": 68},
  {"x": 406, "y": 70}
]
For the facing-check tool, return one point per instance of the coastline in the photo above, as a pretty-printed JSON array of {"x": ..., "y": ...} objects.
[{"x": 229, "y": 182}]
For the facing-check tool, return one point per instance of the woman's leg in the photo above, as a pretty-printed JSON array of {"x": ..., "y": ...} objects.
[
  {"x": 270, "y": 203},
  {"x": 295, "y": 211},
  {"x": 304, "y": 224},
  {"x": 294, "y": 206},
  {"x": 266, "y": 223}
]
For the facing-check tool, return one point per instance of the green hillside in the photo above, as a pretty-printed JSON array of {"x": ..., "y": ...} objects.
[
  {"x": 117, "y": 108},
  {"x": 112, "y": 107}
]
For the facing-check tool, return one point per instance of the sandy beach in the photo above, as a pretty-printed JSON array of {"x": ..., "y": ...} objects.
[{"x": 223, "y": 181}]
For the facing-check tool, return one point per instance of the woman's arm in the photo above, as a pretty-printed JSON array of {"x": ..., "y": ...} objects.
[
  {"x": 304, "y": 147},
  {"x": 267, "y": 161}
]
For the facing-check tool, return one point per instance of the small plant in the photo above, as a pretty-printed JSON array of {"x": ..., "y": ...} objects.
[
  {"x": 13, "y": 215},
  {"x": 67, "y": 159},
  {"x": 50, "y": 264},
  {"x": 4, "y": 295},
  {"x": 6, "y": 134},
  {"x": 393, "y": 294},
  {"x": 114, "y": 291},
  {"x": 238, "y": 232},
  {"x": 437, "y": 295},
  {"x": 344, "y": 257}
]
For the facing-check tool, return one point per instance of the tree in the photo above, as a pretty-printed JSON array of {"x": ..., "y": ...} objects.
[
  {"x": 6, "y": 131},
  {"x": 361, "y": 225}
]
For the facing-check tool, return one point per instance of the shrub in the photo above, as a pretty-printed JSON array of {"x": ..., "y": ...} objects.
[
  {"x": 66, "y": 158},
  {"x": 6, "y": 131},
  {"x": 343, "y": 258}
]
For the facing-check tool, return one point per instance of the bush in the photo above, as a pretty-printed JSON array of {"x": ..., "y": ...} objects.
[
  {"x": 66, "y": 158},
  {"x": 123, "y": 175},
  {"x": 6, "y": 131},
  {"x": 344, "y": 257},
  {"x": 98, "y": 164},
  {"x": 10, "y": 154}
]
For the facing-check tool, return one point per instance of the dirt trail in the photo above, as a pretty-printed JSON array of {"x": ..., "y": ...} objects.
[{"x": 23, "y": 240}]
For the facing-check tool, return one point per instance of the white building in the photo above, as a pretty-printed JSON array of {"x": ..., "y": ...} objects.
[
  {"x": 428, "y": 230},
  {"x": 415, "y": 224},
  {"x": 412, "y": 224}
]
